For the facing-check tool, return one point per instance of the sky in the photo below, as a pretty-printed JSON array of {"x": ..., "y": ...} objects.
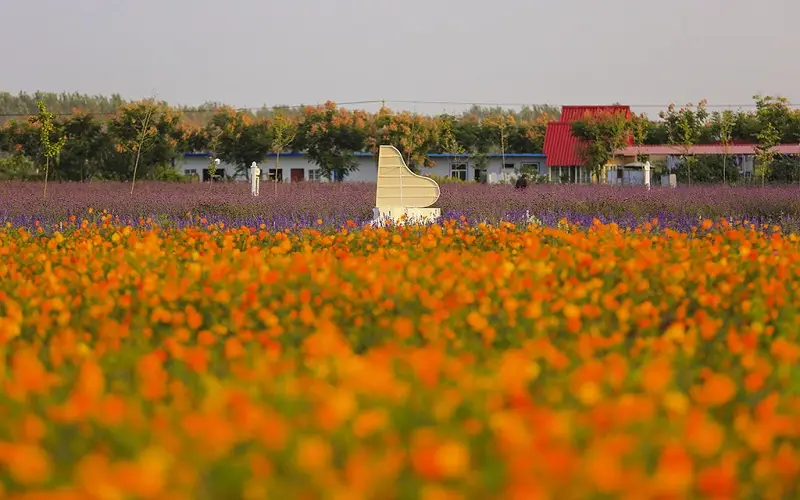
[{"x": 249, "y": 53}]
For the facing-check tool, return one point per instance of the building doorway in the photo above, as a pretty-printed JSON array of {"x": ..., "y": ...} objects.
[
  {"x": 297, "y": 175},
  {"x": 218, "y": 176}
]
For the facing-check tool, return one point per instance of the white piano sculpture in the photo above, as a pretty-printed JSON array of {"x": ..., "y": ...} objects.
[{"x": 401, "y": 192}]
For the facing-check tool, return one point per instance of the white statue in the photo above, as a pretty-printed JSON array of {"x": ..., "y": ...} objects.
[
  {"x": 255, "y": 179},
  {"x": 647, "y": 175}
]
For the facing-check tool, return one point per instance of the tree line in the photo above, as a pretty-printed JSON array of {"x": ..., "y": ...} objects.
[
  {"x": 149, "y": 135},
  {"x": 114, "y": 139}
]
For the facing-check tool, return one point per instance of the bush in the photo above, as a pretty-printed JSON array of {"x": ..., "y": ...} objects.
[{"x": 17, "y": 167}]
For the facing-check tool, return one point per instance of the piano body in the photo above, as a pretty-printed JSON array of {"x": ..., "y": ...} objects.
[{"x": 403, "y": 195}]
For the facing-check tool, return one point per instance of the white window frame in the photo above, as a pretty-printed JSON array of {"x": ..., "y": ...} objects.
[
  {"x": 459, "y": 170},
  {"x": 315, "y": 175},
  {"x": 536, "y": 164},
  {"x": 272, "y": 173}
]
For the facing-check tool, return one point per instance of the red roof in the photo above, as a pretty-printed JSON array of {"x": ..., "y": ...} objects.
[
  {"x": 560, "y": 146},
  {"x": 704, "y": 149},
  {"x": 575, "y": 113}
]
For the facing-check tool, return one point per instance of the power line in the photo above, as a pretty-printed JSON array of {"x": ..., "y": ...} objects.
[{"x": 520, "y": 104}]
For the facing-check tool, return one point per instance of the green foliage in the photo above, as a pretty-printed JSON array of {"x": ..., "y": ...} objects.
[
  {"x": 685, "y": 127},
  {"x": 212, "y": 167},
  {"x": 107, "y": 147},
  {"x": 707, "y": 169},
  {"x": 768, "y": 138},
  {"x": 773, "y": 115},
  {"x": 331, "y": 137},
  {"x": 447, "y": 139},
  {"x": 27, "y": 104},
  {"x": 47, "y": 129},
  {"x": 284, "y": 132},
  {"x": 601, "y": 136},
  {"x": 720, "y": 128},
  {"x": 412, "y": 134},
  {"x": 775, "y": 111},
  {"x": 146, "y": 134},
  {"x": 89, "y": 147},
  {"x": 17, "y": 168},
  {"x": 242, "y": 140},
  {"x": 785, "y": 169},
  {"x": 640, "y": 127}
]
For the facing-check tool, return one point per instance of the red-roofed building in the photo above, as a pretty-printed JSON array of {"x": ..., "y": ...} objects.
[
  {"x": 564, "y": 162},
  {"x": 563, "y": 150}
]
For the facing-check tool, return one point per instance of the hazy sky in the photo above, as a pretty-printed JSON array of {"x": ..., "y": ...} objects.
[{"x": 250, "y": 52}]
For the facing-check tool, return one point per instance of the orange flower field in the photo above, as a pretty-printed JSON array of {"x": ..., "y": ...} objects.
[{"x": 441, "y": 362}]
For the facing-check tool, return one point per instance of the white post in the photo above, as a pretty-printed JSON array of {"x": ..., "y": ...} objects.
[
  {"x": 647, "y": 175},
  {"x": 255, "y": 179}
]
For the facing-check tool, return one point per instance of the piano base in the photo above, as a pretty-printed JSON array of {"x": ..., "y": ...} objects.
[{"x": 412, "y": 215}]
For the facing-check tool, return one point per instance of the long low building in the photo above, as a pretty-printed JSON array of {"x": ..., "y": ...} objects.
[
  {"x": 296, "y": 167},
  {"x": 561, "y": 161}
]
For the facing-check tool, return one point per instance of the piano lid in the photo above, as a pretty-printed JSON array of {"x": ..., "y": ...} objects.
[{"x": 398, "y": 186}]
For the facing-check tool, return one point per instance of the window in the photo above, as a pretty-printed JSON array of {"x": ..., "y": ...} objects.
[
  {"x": 315, "y": 175},
  {"x": 508, "y": 165},
  {"x": 585, "y": 176},
  {"x": 275, "y": 174},
  {"x": 529, "y": 168},
  {"x": 190, "y": 171},
  {"x": 458, "y": 171}
]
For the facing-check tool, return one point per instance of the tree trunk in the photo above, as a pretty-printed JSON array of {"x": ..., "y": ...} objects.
[
  {"x": 136, "y": 166},
  {"x": 46, "y": 172},
  {"x": 141, "y": 143},
  {"x": 277, "y": 162},
  {"x": 724, "y": 158}
]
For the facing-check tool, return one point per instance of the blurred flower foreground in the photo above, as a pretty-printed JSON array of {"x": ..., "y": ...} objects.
[{"x": 162, "y": 350}]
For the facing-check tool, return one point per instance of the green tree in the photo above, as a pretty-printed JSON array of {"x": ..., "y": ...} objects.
[
  {"x": 528, "y": 136},
  {"x": 412, "y": 134},
  {"x": 87, "y": 150},
  {"x": 447, "y": 139},
  {"x": 707, "y": 169},
  {"x": 331, "y": 137},
  {"x": 243, "y": 140},
  {"x": 500, "y": 126},
  {"x": 639, "y": 127},
  {"x": 601, "y": 136},
  {"x": 684, "y": 129},
  {"x": 776, "y": 112},
  {"x": 773, "y": 115},
  {"x": 785, "y": 168},
  {"x": 50, "y": 149},
  {"x": 146, "y": 137},
  {"x": 725, "y": 130},
  {"x": 212, "y": 143},
  {"x": 284, "y": 131},
  {"x": 22, "y": 137},
  {"x": 768, "y": 138}
]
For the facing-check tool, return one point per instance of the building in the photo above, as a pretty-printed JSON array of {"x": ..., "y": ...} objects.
[
  {"x": 742, "y": 156},
  {"x": 296, "y": 167},
  {"x": 563, "y": 150},
  {"x": 565, "y": 164}
]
